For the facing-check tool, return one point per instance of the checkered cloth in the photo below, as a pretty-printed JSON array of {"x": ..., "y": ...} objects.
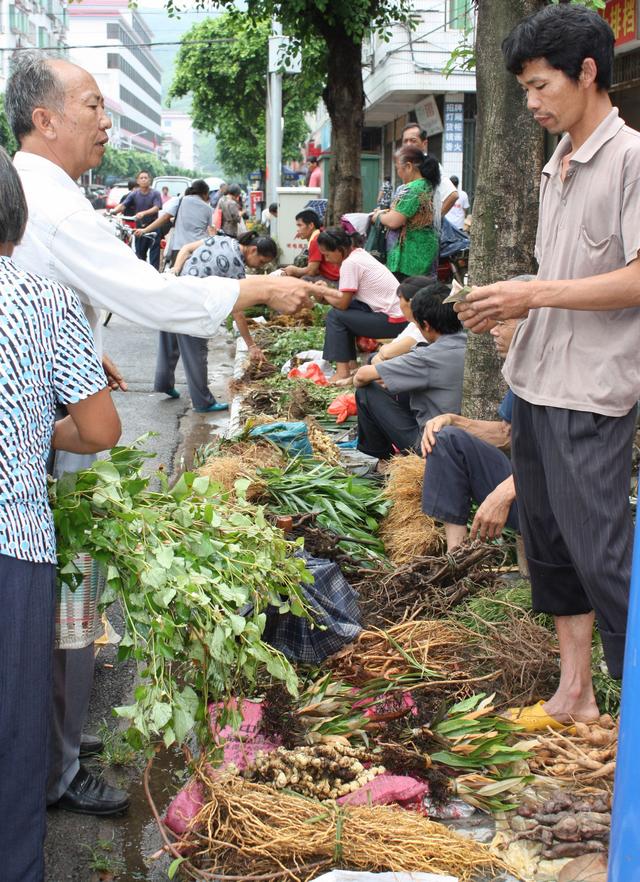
[
  {"x": 334, "y": 606},
  {"x": 319, "y": 206},
  {"x": 78, "y": 620}
]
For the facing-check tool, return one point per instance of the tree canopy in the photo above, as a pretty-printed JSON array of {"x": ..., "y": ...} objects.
[
  {"x": 223, "y": 64},
  {"x": 123, "y": 164}
]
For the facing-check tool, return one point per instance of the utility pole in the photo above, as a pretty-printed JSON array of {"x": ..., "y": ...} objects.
[{"x": 274, "y": 114}]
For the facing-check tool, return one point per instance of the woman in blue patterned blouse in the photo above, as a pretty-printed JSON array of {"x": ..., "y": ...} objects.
[{"x": 46, "y": 355}]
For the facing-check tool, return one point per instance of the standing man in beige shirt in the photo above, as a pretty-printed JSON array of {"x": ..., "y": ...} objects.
[{"x": 574, "y": 365}]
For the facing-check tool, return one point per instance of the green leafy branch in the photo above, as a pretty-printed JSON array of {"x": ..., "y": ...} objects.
[{"x": 194, "y": 572}]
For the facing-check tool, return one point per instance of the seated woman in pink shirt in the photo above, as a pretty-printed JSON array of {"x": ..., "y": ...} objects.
[{"x": 365, "y": 305}]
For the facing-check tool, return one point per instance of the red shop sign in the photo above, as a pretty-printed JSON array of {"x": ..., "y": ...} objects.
[{"x": 622, "y": 16}]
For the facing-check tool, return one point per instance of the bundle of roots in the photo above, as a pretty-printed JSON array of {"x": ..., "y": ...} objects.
[
  {"x": 523, "y": 654},
  {"x": 433, "y": 650},
  {"x": 429, "y": 587},
  {"x": 251, "y": 829},
  {"x": 407, "y": 533},
  {"x": 585, "y": 757},
  {"x": 242, "y": 459}
]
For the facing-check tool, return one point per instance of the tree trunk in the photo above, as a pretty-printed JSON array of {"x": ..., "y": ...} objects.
[
  {"x": 505, "y": 210},
  {"x": 344, "y": 98}
]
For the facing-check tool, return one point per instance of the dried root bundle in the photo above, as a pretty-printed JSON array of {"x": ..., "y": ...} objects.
[
  {"x": 434, "y": 646},
  {"x": 242, "y": 460},
  {"x": 524, "y": 654},
  {"x": 321, "y": 444},
  {"x": 429, "y": 587},
  {"x": 407, "y": 533},
  {"x": 586, "y": 759},
  {"x": 250, "y": 825}
]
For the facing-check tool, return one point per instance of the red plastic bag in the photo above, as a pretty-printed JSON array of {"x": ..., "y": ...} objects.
[
  {"x": 217, "y": 218},
  {"x": 343, "y": 406},
  {"x": 366, "y": 344},
  {"x": 310, "y": 372}
]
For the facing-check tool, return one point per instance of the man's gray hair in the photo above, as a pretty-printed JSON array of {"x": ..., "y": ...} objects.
[
  {"x": 13, "y": 205},
  {"x": 32, "y": 83}
]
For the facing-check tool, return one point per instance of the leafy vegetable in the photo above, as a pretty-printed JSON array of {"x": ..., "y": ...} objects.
[
  {"x": 347, "y": 505},
  {"x": 186, "y": 564}
]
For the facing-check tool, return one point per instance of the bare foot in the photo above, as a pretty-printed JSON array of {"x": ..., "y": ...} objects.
[
  {"x": 342, "y": 381},
  {"x": 572, "y": 711}
]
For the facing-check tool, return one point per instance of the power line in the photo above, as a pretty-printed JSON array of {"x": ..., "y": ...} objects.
[{"x": 119, "y": 45}]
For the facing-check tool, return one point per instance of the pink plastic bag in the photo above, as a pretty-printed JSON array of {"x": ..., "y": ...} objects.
[{"x": 386, "y": 789}]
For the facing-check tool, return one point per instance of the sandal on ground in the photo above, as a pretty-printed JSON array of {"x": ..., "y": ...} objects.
[{"x": 535, "y": 719}]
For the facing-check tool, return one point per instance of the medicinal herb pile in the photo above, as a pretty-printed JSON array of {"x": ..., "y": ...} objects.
[{"x": 194, "y": 572}]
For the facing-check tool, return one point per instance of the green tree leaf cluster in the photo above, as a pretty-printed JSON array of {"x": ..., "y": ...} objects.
[
  {"x": 6, "y": 135},
  {"x": 223, "y": 64}
]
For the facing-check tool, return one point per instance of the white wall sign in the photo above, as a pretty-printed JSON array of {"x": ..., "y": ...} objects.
[
  {"x": 428, "y": 116},
  {"x": 454, "y": 127}
]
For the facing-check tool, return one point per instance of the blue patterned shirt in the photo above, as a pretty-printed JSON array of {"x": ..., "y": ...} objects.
[{"x": 46, "y": 355}]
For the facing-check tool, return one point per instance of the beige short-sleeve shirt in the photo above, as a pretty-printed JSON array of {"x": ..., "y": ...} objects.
[{"x": 588, "y": 225}]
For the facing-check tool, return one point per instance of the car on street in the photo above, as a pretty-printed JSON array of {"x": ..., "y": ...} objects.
[
  {"x": 176, "y": 184},
  {"x": 116, "y": 194}
]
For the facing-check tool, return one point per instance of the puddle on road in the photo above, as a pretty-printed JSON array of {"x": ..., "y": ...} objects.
[{"x": 141, "y": 837}]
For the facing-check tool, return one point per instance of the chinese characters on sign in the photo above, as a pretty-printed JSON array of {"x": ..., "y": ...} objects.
[
  {"x": 622, "y": 16},
  {"x": 453, "y": 127}
]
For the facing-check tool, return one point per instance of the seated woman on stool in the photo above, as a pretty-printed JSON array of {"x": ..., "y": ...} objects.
[{"x": 366, "y": 303}]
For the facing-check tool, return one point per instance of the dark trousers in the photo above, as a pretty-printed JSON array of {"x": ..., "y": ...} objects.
[
  {"x": 149, "y": 245},
  {"x": 194, "y": 352},
  {"x": 384, "y": 422},
  {"x": 72, "y": 686},
  {"x": 459, "y": 470},
  {"x": 26, "y": 644},
  {"x": 572, "y": 473},
  {"x": 342, "y": 326}
]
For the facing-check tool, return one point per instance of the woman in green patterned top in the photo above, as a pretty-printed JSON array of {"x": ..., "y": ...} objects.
[{"x": 412, "y": 241}]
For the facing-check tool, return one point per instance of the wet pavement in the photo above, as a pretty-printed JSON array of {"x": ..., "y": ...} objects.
[{"x": 81, "y": 848}]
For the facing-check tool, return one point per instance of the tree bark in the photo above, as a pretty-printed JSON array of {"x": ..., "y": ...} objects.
[
  {"x": 344, "y": 99},
  {"x": 505, "y": 210}
]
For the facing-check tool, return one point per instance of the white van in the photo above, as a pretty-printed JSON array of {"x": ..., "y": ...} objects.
[{"x": 175, "y": 183}]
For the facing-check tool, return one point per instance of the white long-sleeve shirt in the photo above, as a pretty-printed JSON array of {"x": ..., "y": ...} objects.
[{"x": 67, "y": 240}]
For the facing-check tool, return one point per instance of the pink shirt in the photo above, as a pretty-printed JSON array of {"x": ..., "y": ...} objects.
[
  {"x": 315, "y": 178},
  {"x": 372, "y": 283}
]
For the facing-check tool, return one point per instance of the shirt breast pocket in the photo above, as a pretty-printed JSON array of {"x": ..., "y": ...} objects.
[{"x": 599, "y": 255}]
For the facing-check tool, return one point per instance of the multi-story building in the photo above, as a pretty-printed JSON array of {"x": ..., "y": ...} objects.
[
  {"x": 404, "y": 81},
  {"x": 30, "y": 24},
  {"x": 177, "y": 126},
  {"x": 112, "y": 42}
]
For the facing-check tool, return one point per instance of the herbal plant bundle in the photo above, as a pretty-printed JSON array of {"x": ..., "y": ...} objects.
[
  {"x": 348, "y": 506},
  {"x": 185, "y": 564}
]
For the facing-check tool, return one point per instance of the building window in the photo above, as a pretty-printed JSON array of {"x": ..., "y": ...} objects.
[
  {"x": 113, "y": 31},
  {"x": 460, "y": 15},
  {"x": 43, "y": 38}
]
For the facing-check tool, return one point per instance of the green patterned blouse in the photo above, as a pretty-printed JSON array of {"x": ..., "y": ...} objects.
[{"x": 417, "y": 245}]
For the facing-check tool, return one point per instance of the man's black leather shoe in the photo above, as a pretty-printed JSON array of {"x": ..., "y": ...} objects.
[
  {"x": 90, "y": 745},
  {"x": 88, "y": 795}
]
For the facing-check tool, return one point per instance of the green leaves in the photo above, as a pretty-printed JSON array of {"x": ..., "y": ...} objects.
[
  {"x": 185, "y": 565},
  {"x": 223, "y": 63}
]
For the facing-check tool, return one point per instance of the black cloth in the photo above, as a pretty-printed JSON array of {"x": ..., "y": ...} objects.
[
  {"x": 384, "y": 422},
  {"x": 359, "y": 320},
  {"x": 573, "y": 471},
  {"x": 26, "y": 647},
  {"x": 459, "y": 470},
  {"x": 149, "y": 244}
]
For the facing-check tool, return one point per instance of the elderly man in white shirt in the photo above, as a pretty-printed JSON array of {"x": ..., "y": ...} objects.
[{"x": 57, "y": 114}]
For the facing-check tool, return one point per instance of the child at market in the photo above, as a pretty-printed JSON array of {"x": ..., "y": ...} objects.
[{"x": 47, "y": 355}]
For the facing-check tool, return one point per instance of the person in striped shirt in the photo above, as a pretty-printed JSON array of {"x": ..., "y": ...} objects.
[{"x": 47, "y": 354}]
